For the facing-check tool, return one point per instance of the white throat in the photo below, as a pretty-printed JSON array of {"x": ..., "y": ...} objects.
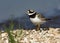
[{"x": 31, "y": 13}]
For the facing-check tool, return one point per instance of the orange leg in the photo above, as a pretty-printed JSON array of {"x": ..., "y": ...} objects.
[{"x": 37, "y": 27}]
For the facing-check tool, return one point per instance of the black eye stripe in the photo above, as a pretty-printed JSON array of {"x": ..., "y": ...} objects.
[{"x": 30, "y": 12}]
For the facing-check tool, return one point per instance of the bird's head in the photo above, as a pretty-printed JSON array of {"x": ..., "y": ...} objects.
[{"x": 30, "y": 12}]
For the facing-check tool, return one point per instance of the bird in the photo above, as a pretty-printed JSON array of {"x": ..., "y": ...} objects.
[{"x": 36, "y": 18}]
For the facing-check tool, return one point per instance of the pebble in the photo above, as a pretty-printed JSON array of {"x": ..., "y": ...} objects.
[{"x": 33, "y": 36}]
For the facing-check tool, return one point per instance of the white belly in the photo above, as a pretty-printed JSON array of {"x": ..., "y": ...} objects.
[{"x": 36, "y": 20}]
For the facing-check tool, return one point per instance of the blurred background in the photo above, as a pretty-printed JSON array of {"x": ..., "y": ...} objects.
[{"x": 17, "y": 8}]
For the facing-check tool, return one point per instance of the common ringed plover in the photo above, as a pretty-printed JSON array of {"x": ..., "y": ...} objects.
[{"x": 36, "y": 18}]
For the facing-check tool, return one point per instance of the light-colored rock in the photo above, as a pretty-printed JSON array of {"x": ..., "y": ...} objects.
[
  {"x": 33, "y": 36},
  {"x": 4, "y": 38}
]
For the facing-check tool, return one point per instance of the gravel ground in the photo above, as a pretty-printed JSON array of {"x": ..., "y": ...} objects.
[{"x": 31, "y": 36}]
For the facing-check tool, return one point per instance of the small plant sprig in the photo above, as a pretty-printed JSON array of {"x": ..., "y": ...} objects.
[{"x": 8, "y": 29}]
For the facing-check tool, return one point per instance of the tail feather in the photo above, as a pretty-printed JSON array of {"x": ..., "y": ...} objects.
[{"x": 48, "y": 19}]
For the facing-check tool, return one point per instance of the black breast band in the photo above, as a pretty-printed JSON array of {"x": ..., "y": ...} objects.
[{"x": 32, "y": 16}]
